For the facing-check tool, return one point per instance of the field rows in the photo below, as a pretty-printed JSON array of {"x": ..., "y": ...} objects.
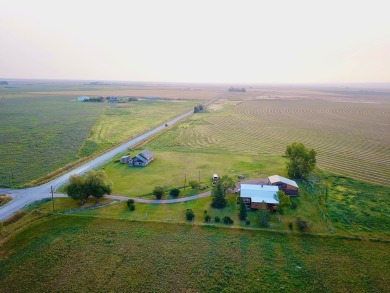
[{"x": 350, "y": 138}]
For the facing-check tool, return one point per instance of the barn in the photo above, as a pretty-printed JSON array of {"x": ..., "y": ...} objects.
[
  {"x": 288, "y": 186},
  {"x": 253, "y": 195},
  {"x": 142, "y": 159}
]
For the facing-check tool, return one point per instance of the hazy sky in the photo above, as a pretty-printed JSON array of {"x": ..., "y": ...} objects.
[{"x": 196, "y": 41}]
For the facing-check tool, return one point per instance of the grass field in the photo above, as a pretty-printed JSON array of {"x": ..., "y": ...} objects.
[{"x": 83, "y": 254}]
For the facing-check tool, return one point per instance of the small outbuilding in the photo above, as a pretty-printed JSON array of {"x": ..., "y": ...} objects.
[
  {"x": 142, "y": 159},
  {"x": 253, "y": 195},
  {"x": 125, "y": 160},
  {"x": 83, "y": 98},
  {"x": 288, "y": 186}
]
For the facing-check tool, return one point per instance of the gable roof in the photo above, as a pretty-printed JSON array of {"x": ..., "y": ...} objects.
[
  {"x": 260, "y": 193},
  {"x": 146, "y": 154},
  {"x": 277, "y": 178}
]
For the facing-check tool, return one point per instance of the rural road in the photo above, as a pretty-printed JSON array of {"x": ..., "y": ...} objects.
[{"x": 23, "y": 197}]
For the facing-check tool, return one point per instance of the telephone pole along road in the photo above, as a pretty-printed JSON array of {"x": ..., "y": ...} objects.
[{"x": 23, "y": 197}]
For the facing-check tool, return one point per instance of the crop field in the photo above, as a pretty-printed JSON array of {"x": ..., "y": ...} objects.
[
  {"x": 90, "y": 254},
  {"x": 351, "y": 138},
  {"x": 41, "y": 134}
]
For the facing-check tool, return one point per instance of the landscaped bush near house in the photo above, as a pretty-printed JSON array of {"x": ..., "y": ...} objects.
[
  {"x": 130, "y": 202},
  {"x": 174, "y": 192},
  {"x": 194, "y": 184},
  {"x": 158, "y": 192},
  {"x": 228, "y": 220},
  {"x": 190, "y": 215},
  {"x": 132, "y": 207},
  {"x": 302, "y": 224},
  {"x": 217, "y": 219},
  {"x": 207, "y": 218}
]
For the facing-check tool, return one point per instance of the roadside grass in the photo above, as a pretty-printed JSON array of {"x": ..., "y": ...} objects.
[
  {"x": 91, "y": 254},
  {"x": 4, "y": 199},
  {"x": 171, "y": 169}
]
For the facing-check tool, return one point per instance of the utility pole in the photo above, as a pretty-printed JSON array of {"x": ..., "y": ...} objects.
[{"x": 52, "y": 196}]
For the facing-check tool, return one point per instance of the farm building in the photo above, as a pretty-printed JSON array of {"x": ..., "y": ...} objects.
[
  {"x": 125, "y": 160},
  {"x": 142, "y": 159},
  {"x": 288, "y": 186},
  {"x": 253, "y": 195},
  {"x": 83, "y": 98}
]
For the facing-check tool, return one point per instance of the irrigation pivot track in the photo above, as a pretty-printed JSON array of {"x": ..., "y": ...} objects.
[{"x": 23, "y": 197}]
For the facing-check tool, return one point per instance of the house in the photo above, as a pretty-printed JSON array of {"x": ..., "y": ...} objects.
[
  {"x": 82, "y": 98},
  {"x": 214, "y": 180},
  {"x": 112, "y": 99},
  {"x": 142, "y": 159},
  {"x": 125, "y": 160},
  {"x": 254, "y": 194},
  {"x": 288, "y": 186}
]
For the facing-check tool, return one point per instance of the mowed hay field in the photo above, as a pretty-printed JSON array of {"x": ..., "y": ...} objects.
[
  {"x": 84, "y": 254},
  {"x": 351, "y": 138}
]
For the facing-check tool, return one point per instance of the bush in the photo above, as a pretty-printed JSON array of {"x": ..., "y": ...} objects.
[
  {"x": 294, "y": 205},
  {"x": 132, "y": 207},
  {"x": 247, "y": 222},
  {"x": 130, "y": 202},
  {"x": 158, "y": 192},
  {"x": 302, "y": 224},
  {"x": 227, "y": 220},
  {"x": 207, "y": 218},
  {"x": 174, "y": 192},
  {"x": 194, "y": 184},
  {"x": 290, "y": 226},
  {"x": 217, "y": 219},
  {"x": 190, "y": 215}
]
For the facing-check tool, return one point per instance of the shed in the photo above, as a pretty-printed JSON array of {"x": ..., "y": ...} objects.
[
  {"x": 125, "y": 159},
  {"x": 83, "y": 98},
  {"x": 288, "y": 186}
]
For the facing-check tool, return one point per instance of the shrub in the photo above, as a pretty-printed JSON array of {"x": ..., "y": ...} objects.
[
  {"x": 207, "y": 218},
  {"x": 194, "y": 184},
  {"x": 302, "y": 224},
  {"x": 247, "y": 222},
  {"x": 290, "y": 226},
  {"x": 158, "y": 192},
  {"x": 132, "y": 207},
  {"x": 190, "y": 215},
  {"x": 174, "y": 192},
  {"x": 294, "y": 205},
  {"x": 227, "y": 220},
  {"x": 217, "y": 219},
  {"x": 130, "y": 202}
]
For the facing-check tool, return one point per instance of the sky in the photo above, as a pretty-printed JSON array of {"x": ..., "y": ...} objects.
[{"x": 196, "y": 40}]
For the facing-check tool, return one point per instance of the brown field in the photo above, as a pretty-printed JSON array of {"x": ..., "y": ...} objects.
[{"x": 196, "y": 94}]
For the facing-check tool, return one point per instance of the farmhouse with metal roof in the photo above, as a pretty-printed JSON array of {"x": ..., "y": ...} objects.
[
  {"x": 142, "y": 159},
  {"x": 288, "y": 186},
  {"x": 253, "y": 195}
]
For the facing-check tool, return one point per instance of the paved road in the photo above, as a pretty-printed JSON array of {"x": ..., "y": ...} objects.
[
  {"x": 160, "y": 201},
  {"x": 23, "y": 197}
]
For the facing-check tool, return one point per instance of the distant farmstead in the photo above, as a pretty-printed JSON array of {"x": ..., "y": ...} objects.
[
  {"x": 288, "y": 186},
  {"x": 125, "y": 159},
  {"x": 83, "y": 98},
  {"x": 142, "y": 159},
  {"x": 253, "y": 195}
]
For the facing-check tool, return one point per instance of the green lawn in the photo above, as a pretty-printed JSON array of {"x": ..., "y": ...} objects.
[{"x": 91, "y": 254}]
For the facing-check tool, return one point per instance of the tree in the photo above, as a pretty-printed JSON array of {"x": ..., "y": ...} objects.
[
  {"x": 93, "y": 183},
  {"x": 264, "y": 215},
  {"x": 218, "y": 199},
  {"x": 284, "y": 202},
  {"x": 227, "y": 220},
  {"x": 301, "y": 162},
  {"x": 158, "y": 192},
  {"x": 174, "y": 192},
  {"x": 190, "y": 215},
  {"x": 302, "y": 224},
  {"x": 130, "y": 204},
  {"x": 227, "y": 183},
  {"x": 97, "y": 184},
  {"x": 242, "y": 214}
]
